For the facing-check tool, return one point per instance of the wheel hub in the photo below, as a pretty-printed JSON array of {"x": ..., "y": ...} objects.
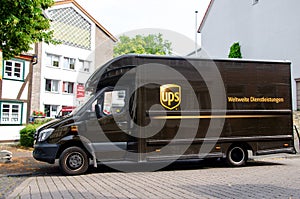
[{"x": 75, "y": 161}]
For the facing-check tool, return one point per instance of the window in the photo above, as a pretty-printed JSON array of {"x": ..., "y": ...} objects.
[
  {"x": 52, "y": 85},
  {"x": 114, "y": 102},
  {"x": 14, "y": 69},
  {"x": 84, "y": 65},
  {"x": 69, "y": 63},
  {"x": 51, "y": 110},
  {"x": 11, "y": 113},
  {"x": 53, "y": 60},
  {"x": 68, "y": 87}
]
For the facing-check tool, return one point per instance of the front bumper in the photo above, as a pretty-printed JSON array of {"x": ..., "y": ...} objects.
[{"x": 45, "y": 152}]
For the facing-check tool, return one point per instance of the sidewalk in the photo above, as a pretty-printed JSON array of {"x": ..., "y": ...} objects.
[
  {"x": 23, "y": 166},
  {"x": 260, "y": 179}
]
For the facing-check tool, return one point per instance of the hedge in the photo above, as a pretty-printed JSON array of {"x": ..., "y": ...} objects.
[{"x": 27, "y": 133}]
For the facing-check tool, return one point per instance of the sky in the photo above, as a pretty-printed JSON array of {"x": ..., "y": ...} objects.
[{"x": 175, "y": 19}]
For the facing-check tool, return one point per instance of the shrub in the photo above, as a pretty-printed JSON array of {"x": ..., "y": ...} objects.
[
  {"x": 41, "y": 121},
  {"x": 235, "y": 51},
  {"x": 27, "y": 133}
]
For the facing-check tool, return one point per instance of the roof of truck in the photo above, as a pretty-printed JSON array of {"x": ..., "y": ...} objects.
[
  {"x": 197, "y": 58},
  {"x": 94, "y": 78}
]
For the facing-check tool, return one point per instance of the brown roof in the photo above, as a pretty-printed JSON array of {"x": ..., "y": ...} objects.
[
  {"x": 25, "y": 56},
  {"x": 88, "y": 15},
  {"x": 205, "y": 15}
]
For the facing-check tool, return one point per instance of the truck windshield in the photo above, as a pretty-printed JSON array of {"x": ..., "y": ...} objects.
[{"x": 86, "y": 105}]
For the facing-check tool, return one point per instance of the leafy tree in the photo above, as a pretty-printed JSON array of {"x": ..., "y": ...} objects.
[
  {"x": 151, "y": 44},
  {"x": 235, "y": 51},
  {"x": 22, "y": 24}
]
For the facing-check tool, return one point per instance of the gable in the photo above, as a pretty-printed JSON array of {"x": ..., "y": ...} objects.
[
  {"x": 70, "y": 28},
  {"x": 86, "y": 14}
]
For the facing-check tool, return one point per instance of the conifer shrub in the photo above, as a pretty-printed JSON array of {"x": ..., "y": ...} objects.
[{"x": 235, "y": 51}]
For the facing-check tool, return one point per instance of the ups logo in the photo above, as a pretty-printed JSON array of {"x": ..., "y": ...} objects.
[{"x": 170, "y": 96}]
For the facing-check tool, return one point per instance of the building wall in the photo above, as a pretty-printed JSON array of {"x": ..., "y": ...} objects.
[
  {"x": 82, "y": 41},
  {"x": 103, "y": 48},
  {"x": 8, "y": 84},
  {"x": 14, "y": 98},
  {"x": 36, "y": 79},
  {"x": 94, "y": 48},
  {"x": 15, "y": 91},
  {"x": 62, "y": 75},
  {"x": 266, "y": 30}
]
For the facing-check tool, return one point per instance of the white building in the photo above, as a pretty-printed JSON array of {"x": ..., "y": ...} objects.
[
  {"x": 63, "y": 69},
  {"x": 265, "y": 29},
  {"x": 15, "y": 86},
  {"x": 58, "y": 78}
]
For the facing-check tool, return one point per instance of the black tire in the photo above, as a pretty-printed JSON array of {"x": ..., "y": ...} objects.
[
  {"x": 237, "y": 156},
  {"x": 73, "y": 161}
]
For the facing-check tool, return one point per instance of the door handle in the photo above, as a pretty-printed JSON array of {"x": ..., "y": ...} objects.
[{"x": 121, "y": 123}]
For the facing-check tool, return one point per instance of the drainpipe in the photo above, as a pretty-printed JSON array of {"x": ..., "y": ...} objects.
[{"x": 29, "y": 95}]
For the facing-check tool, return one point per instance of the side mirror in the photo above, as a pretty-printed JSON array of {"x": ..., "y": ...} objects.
[{"x": 98, "y": 110}]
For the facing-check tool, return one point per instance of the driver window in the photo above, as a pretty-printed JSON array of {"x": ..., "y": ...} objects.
[{"x": 114, "y": 102}]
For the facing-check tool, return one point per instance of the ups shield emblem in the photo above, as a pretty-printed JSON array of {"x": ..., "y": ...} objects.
[{"x": 170, "y": 96}]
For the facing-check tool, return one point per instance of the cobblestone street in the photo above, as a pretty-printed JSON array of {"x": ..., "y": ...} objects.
[{"x": 263, "y": 178}]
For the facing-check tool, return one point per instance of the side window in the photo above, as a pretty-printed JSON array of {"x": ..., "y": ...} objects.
[
  {"x": 14, "y": 69},
  {"x": 11, "y": 113},
  {"x": 114, "y": 102}
]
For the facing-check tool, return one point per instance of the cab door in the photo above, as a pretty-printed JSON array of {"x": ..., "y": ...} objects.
[{"x": 111, "y": 110}]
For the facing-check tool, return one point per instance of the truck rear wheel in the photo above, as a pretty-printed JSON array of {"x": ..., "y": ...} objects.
[
  {"x": 237, "y": 156},
  {"x": 73, "y": 161}
]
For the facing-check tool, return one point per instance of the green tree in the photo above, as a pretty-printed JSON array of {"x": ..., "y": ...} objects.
[
  {"x": 235, "y": 51},
  {"x": 22, "y": 24},
  {"x": 152, "y": 44}
]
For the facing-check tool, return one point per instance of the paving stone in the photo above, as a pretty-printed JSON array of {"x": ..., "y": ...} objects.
[{"x": 267, "y": 178}]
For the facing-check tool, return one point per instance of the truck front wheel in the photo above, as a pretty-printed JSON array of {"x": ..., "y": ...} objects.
[
  {"x": 73, "y": 161},
  {"x": 237, "y": 156}
]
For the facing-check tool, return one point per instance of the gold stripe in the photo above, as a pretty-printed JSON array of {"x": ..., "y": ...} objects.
[{"x": 212, "y": 116}]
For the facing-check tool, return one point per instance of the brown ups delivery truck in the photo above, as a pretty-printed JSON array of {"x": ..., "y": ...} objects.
[{"x": 150, "y": 109}]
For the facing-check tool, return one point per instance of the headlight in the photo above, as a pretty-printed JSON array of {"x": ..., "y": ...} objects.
[{"x": 44, "y": 134}]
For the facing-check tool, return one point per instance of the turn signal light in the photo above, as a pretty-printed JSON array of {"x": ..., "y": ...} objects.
[
  {"x": 74, "y": 129},
  {"x": 286, "y": 145}
]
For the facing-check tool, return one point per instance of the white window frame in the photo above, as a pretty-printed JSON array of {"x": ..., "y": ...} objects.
[
  {"x": 11, "y": 117},
  {"x": 67, "y": 86},
  {"x": 53, "y": 60},
  {"x": 85, "y": 66},
  {"x": 53, "y": 110},
  {"x": 14, "y": 70},
  {"x": 69, "y": 63},
  {"x": 53, "y": 89}
]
